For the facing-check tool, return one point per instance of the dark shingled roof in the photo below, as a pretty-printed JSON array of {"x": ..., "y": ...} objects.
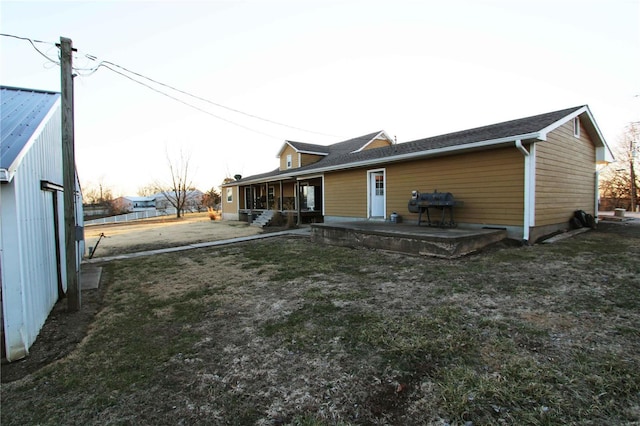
[
  {"x": 309, "y": 147},
  {"x": 337, "y": 150},
  {"x": 343, "y": 153}
]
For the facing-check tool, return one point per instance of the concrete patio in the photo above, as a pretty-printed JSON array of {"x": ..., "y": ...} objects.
[{"x": 406, "y": 238}]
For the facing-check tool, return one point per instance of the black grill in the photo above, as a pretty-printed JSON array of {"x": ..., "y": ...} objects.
[{"x": 421, "y": 203}]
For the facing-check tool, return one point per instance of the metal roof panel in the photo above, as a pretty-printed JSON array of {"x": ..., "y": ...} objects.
[{"x": 21, "y": 112}]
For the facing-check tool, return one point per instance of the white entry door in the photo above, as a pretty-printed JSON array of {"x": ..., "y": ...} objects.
[{"x": 376, "y": 194}]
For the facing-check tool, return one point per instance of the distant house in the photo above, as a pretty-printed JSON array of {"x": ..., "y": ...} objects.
[
  {"x": 193, "y": 202},
  {"x": 135, "y": 204},
  {"x": 32, "y": 238},
  {"x": 527, "y": 176}
]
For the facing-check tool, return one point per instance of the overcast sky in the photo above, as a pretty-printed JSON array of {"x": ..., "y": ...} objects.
[{"x": 335, "y": 69}]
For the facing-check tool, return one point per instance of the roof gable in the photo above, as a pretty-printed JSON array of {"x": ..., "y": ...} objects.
[
  {"x": 22, "y": 111},
  {"x": 603, "y": 152},
  {"x": 350, "y": 145}
]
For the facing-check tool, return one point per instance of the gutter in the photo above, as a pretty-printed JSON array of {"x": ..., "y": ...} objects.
[
  {"x": 402, "y": 157},
  {"x": 424, "y": 154}
]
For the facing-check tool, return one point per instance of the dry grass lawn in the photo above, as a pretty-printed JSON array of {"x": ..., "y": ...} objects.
[
  {"x": 286, "y": 332},
  {"x": 161, "y": 233}
]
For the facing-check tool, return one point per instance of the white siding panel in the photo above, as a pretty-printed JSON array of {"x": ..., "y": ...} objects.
[{"x": 29, "y": 266}]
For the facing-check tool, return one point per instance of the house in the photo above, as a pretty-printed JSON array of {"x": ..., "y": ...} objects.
[
  {"x": 193, "y": 201},
  {"x": 32, "y": 239},
  {"x": 527, "y": 176},
  {"x": 135, "y": 204}
]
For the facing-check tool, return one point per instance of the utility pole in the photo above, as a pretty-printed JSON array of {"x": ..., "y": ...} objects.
[
  {"x": 632, "y": 172},
  {"x": 69, "y": 174},
  {"x": 633, "y": 133}
]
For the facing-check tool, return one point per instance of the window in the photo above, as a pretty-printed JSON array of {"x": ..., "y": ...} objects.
[
  {"x": 308, "y": 197},
  {"x": 271, "y": 198},
  {"x": 379, "y": 184},
  {"x": 229, "y": 195},
  {"x": 289, "y": 163},
  {"x": 576, "y": 127}
]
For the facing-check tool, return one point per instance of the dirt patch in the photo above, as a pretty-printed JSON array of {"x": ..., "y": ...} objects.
[{"x": 153, "y": 234}]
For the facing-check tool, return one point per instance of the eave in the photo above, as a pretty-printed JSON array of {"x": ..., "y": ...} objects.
[{"x": 475, "y": 146}]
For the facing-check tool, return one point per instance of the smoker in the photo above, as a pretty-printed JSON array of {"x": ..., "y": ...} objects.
[{"x": 422, "y": 202}]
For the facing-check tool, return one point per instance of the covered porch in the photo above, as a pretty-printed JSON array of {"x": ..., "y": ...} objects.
[{"x": 301, "y": 198}]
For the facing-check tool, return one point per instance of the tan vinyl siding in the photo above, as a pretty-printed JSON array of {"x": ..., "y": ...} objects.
[
  {"x": 306, "y": 159},
  {"x": 288, "y": 189},
  {"x": 377, "y": 143},
  {"x": 565, "y": 176},
  {"x": 346, "y": 193},
  {"x": 283, "y": 158},
  {"x": 490, "y": 183},
  {"x": 230, "y": 207}
]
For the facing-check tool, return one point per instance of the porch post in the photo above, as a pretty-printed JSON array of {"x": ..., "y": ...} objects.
[
  {"x": 281, "y": 196},
  {"x": 298, "y": 203}
]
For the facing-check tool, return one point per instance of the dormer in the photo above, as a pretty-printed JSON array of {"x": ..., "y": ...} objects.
[
  {"x": 293, "y": 155},
  {"x": 379, "y": 141}
]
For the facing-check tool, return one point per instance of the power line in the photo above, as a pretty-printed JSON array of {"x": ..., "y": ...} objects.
[
  {"x": 34, "y": 46},
  {"x": 213, "y": 103},
  {"x": 186, "y": 103},
  {"x": 85, "y": 72}
]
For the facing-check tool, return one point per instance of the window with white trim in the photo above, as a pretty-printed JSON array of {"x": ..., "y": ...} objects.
[
  {"x": 379, "y": 184},
  {"x": 289, "y": 162},
  {"x": 576, "y": 127},
  {"x": 229, "y": 195}
]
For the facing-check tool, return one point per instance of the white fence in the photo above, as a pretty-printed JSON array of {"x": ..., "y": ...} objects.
[{"x": 130, "y": 216}]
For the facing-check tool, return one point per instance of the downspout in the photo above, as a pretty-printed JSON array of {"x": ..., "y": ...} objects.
[{"x": 527, "y": 188}]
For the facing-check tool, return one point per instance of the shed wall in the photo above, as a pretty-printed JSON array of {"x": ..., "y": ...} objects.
[{"x": 29, "y": 267}]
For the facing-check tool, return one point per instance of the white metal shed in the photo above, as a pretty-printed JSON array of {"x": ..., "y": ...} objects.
[{"x": 32, "y": 240}]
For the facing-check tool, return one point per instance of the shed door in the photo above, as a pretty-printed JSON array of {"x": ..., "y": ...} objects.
[{"x": 376, "y": 194}]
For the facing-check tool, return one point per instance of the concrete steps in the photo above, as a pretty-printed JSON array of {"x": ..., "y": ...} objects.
[{"x": 264, "y": 219}]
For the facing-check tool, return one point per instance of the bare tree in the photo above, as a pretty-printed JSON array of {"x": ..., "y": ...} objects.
[
  {"x": 147, "y": 190},
  {"x": 177, "y": 191},
  {"x": 619, "y": 182},
  {"x": 96, "y": 193},
  {"x": 99, "y": 200}
]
